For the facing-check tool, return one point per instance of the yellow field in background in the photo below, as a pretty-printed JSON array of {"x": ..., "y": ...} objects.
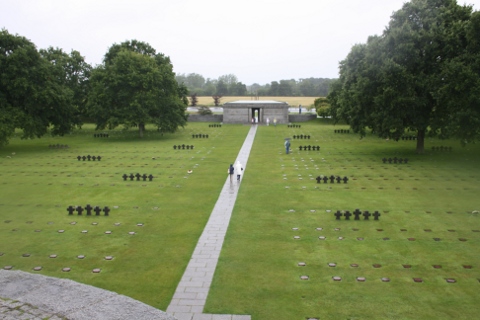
[{"x": 292, "y": 101}]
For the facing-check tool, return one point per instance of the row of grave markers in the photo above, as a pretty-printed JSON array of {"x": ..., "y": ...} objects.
[
  {"x": 175, "y": 147},
  {"x": 357, "y": 213},
  {"x": 214, "y": 125},
  {"x": 332, "y": 179},
  {"x": 88, "y": 209},
  {"x": 341, "y": 131},
  {"x": 395, "y": 160},
  {"x": 294, "y": 126},
  {"x": 89, "y": 157},
  {"x": 200, "y": 136},
  {"x": 138, "y": 176},
  {"x": 309, "y": 148},
  {"x": 301, "y": 136},
  {"x": 100, "y": 135}
]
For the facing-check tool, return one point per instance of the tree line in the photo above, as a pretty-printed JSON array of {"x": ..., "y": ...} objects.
[
  {"x": 228, "y": 85},
  {"x": 51, "y": 91}
]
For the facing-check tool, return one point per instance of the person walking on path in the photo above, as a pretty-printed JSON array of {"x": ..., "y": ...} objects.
[
  {"x": 238, "y": 169},
  {"x": 287, "y": 145},
  {"x": 231, "y": 170}
]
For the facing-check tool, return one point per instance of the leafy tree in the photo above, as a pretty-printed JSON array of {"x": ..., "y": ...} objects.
[
  {"x": 322, "y": 106},
  {"x": 394, "y": 82},
  {"x": 274, "y": 91},
  {"x": 73, "y": 74},
  {"x": 222, "y": 88},
  {"x": 33, "y": 95},
  {"x": 136, "y": 86}
]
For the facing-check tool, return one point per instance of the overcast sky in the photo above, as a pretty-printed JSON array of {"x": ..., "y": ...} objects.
[{"x": 259, "y": 41}]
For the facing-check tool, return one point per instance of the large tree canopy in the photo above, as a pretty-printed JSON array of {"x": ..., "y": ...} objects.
[
  {"x": 33, "y": 95},
  {"x": 136, "y": 86},
  {"x": 421, "y": 75}
]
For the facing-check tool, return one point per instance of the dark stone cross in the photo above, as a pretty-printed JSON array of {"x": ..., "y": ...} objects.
[
  {"x": 138, "y": 176},
  {"x": 325, "y": 179},
  {"x": 84, "y": 158},
  {"x": 384, "y": 160},
  {"x": 191, "y": 147},
  {"x": 183, "y": 146},
  {"x": 94, "y": 158},
  {"x": 144, "y": 177},
  {"x": 395, "y": 160},
  {"x": 366, "y": 214},
  {"x": 79, "y": 158},
  {"x": 79, "y": 210},
  {"x": 332, "y": 179},
  {"x": 376, "y": 214},
  {"x": 400, "y": 160},
  {"x": 357, "y": 214},
  {"x": 193, "y": 135},
  {"x": 99, "y": 158},
  {"x": 309, "y": 147},
  {"x": 338, "y": 179},
  {"x": 89, "y": 157},
  {"x": 174, "y": 147},
  {"x": 300, "y": 148},
  {"x": 131, "y": 176},
  {"x": 89, "y": 208},
  {"x": 125, "y": 177},
  {"x": 106, "y": 210},
  {"x": 405, "y": 160},
  {"x": 347, "y": 215},
  {"x": 318, "y": 179},
  {"x": 188, "y": 147},
  {"x": 97, "y": 210},
  {"x": 337, "y": 214},
  {"x": 70, "y": 210},
  {"x": 150, "y": 177},
  {"x": 345, "y": 179},
  {"x": 389, "y": 160}
]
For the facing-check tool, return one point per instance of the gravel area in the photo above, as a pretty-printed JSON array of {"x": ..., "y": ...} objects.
[{"x": 32, "y": 296}]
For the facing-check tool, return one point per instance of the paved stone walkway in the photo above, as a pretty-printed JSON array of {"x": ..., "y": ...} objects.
[{"x": 192, "y": 291}]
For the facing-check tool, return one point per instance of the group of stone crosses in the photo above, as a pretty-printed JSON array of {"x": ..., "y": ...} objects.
[
  {"x": 332, "y": 179},
  {"x": 301, "y": 136},
  {"x": 357, "y": 213},
  {"x": 89, "y": 157},
  {"x": 183, "y": 147},
  {"x": 395, "y": 160},
  {"x": 200, "y": 135},
  {"x": 138, "y": 176},
  {"x": 88, "y": 209},
  {"x": 309, "y": 148}
]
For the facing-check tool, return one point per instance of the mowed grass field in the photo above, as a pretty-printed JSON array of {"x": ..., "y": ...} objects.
[
  {"x": 306, "y": 102},
  {"x": 431, "y": 199}
]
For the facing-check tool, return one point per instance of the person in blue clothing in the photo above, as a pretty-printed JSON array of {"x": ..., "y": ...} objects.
[
  {"x": 287, "y": 145},
  {"x": 231, "y": 170}
]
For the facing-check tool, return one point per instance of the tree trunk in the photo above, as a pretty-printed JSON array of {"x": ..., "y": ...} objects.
[
  {"x": 141, "y": 129},
  {"x": 421, "y": 141}
]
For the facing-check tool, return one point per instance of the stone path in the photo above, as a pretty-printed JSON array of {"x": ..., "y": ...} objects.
[{"x": 192, "y": 291}]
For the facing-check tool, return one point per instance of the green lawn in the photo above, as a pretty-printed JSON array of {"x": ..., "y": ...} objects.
[{"x": 258, "y": 271}]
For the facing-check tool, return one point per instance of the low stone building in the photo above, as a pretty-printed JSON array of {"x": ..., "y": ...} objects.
[{"x": 243, "y": 111}]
